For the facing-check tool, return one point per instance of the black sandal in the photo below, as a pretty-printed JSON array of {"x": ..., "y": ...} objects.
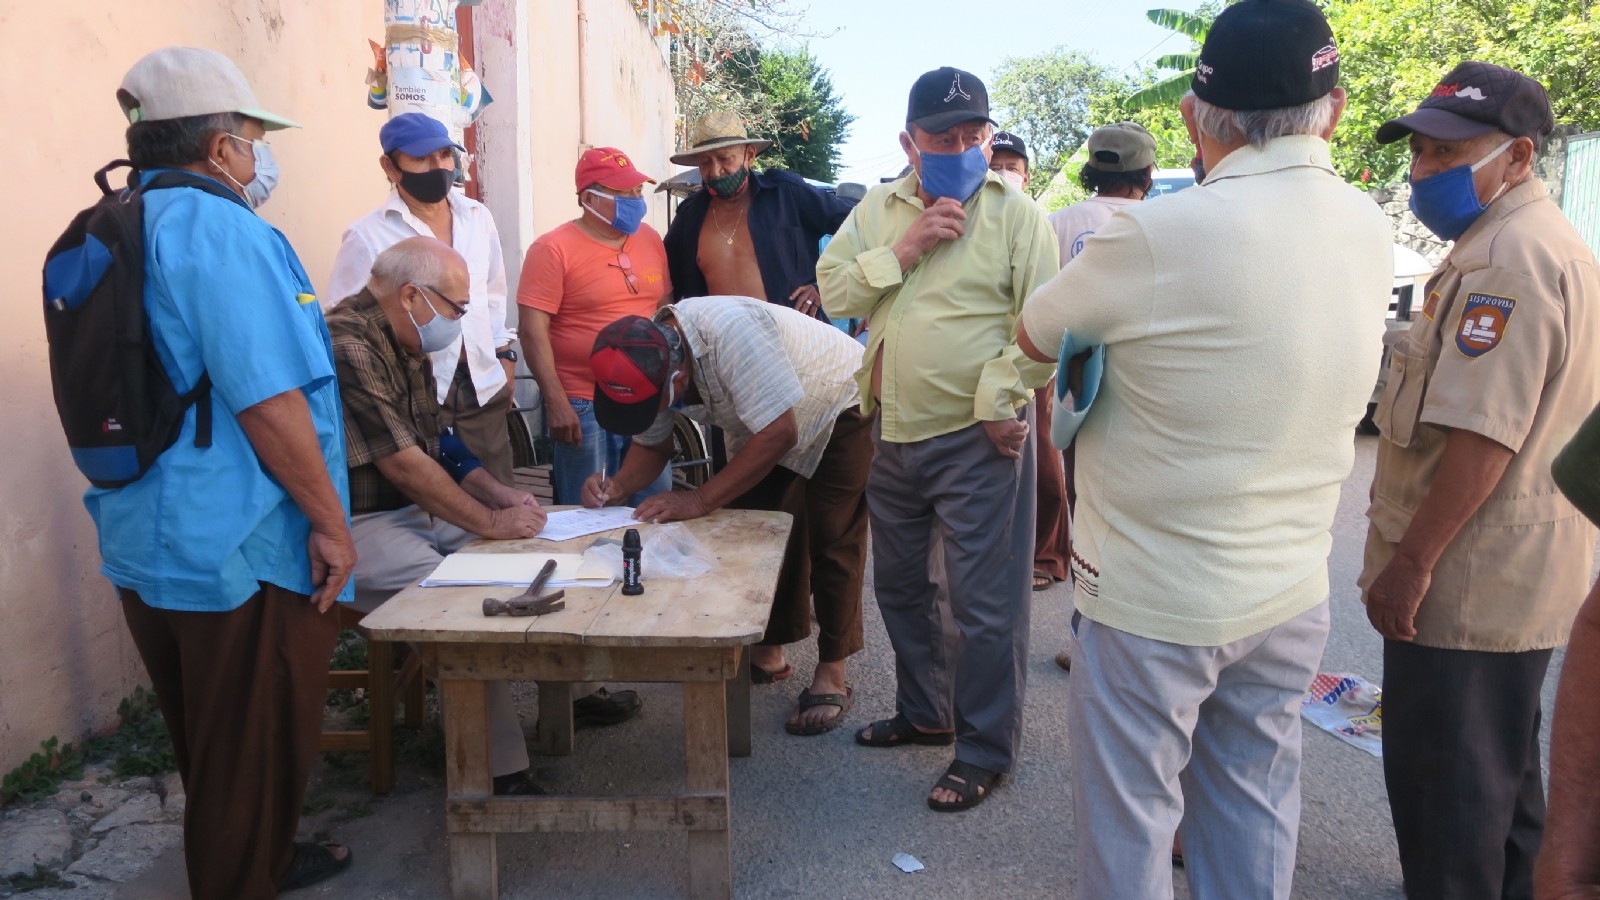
[
  {"x": 809, "y": 700},
  {"x": 976, "y": 785},
  {"x": 313, "y": 863},
  {"x": 899, "y": 731},
  {"x": 759, "y": 675}
]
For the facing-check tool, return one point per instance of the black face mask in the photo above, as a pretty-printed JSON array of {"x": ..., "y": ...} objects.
[{"x": 428, "y": 187}]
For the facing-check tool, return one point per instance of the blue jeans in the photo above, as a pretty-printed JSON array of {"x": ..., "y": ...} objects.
[{"x": 574, "y": 465}]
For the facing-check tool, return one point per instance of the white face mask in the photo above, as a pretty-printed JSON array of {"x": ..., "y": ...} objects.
[
  {"x": 260, "y": 187},
  {"x": 1010, "y": 176}
]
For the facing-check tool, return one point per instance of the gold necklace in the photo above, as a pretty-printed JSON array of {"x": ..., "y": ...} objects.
[{"x": 718, "y": 220}]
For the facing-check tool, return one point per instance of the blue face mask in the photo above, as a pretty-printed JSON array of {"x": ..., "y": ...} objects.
[
  {"x": 955, "y": 175},
  {"x": 1448, "y": 202},
  {"x": 630, "y": 212}
]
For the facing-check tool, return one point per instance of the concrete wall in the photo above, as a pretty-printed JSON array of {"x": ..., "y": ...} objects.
[{"x": 65, "y": 659}]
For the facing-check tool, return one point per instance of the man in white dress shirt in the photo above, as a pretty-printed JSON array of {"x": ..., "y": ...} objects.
[{"x": 473, "y": 375}]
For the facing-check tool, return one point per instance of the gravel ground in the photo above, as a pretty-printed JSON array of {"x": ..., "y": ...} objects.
[{"x": 821, "y": 817}]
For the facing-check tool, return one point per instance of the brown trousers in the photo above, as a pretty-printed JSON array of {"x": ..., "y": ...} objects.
[
  {"x": 827, "y": 551},
  {"x": 242, "y": 693},
  {"x": 482, "y": 428},
  {"x": 1052, "y": 545}
]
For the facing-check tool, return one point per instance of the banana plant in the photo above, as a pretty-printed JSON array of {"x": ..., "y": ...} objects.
[{"x": 1168, "y": 91}]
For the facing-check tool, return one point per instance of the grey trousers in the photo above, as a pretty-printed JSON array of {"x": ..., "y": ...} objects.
[
  {"x": 1140, "y": 712},
  {"x": 953, "y": 506},
  {"x": 393, "y": 550}
]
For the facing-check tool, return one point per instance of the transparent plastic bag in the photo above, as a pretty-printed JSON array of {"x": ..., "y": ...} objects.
[{"x": 671, "y": 551}]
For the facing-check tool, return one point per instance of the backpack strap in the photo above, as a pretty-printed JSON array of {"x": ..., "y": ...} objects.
[
  {"x": 200, "y": 396},
  {"x": 100, "y": 176},
  {"x": 172, "y": 178}
]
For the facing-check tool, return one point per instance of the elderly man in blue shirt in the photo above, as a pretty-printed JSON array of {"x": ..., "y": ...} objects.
[{"x": 228, "y": 558}]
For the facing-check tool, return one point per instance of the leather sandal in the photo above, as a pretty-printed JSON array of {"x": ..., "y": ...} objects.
[
  {"x": 759, "y": 675},
  {"x": 975, "y": 786},
  {"x": 313, "y": 863},
  {"x": 899, "y": 731},
  {"x": 809, "y": 700}
]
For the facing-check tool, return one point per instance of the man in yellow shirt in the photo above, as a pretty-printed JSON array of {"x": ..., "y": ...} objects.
[{"x": 940, "y": 263}]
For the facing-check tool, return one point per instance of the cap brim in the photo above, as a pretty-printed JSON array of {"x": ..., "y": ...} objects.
[
  {"x": 426, "y": 146},
  {"x": 627, "y": 181},
  {"x": 688, "y": 157},
  {"x": 1439, "y": 124},
  {"x": 626, "y": 419},
  {"x": 269, "y": 121},
  {"x": 946, "y": 120}
]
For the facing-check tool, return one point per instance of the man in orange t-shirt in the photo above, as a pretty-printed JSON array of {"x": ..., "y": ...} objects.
[{"x": 576, "y": 280}]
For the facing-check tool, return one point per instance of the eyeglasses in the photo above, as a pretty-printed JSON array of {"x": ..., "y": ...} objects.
[
  {"x": 459, "y": 308},
  {"x": 626, "y": 265}
]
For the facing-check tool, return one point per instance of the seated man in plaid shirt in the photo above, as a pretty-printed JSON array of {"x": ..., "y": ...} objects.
[{"x": 416, "y": 492}]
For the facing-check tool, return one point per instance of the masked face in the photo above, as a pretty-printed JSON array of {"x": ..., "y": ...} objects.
[
  {"x": 440, "y": 331},
  {"x": 258, "y": 189},
  {"x": 1448, "y": 202},
  {"x": 630, "y": 211},
  {"x": 952, "y": 163}
]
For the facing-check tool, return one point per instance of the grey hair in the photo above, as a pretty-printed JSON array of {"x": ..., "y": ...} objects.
[
  {"x": 402, "y": 264},
  {"x": 174, "y": 143},
  {"x": 1258, "y": 126},
  {"x": 674, "y": 344}
]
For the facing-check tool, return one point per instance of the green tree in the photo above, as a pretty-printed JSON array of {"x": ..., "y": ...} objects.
[
  {"x": 1050, "y": 99},
  {"x": 1168, "y": 90},
  {"x": 1392, "y": 53},
  {"x": 806, "y": 121}
]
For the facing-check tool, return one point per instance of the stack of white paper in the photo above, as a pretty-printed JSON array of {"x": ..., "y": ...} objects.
[{"x": 517, "y": 570}]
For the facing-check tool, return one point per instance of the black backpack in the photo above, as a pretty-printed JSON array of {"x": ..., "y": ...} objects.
[{"x": 116, "y": 401}]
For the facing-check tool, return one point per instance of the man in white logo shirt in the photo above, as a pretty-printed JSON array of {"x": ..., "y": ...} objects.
[{"x": 472, "y": 375}]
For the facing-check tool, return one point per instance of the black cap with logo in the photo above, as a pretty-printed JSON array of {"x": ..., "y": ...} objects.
[
  {"x": 1477, "y": 98},
  {"x": 1267, "y": 54},
  {"x": 946, "y": 97},
  {"x": 1010, "y": 143}
]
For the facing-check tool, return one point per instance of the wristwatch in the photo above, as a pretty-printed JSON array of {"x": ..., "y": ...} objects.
[{"x": 507, "y": 353}]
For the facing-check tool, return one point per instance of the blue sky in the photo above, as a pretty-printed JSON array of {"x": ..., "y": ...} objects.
[{"x": 876, "y": 49}]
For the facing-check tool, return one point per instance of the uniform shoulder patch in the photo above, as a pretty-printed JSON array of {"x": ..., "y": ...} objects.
[{"x": 1484, "y": 320}]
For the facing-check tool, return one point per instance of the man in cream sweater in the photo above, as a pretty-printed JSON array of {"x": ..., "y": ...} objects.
[{"x": 1242, "y": 324}]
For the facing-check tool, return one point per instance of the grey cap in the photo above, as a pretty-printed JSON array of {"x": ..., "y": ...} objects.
[
  {"x": 182, "y": 82},
  {"x": 1123, "y": 147}
]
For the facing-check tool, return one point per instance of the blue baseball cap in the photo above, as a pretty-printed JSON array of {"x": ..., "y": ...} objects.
[{"x": 415, "y": 134}]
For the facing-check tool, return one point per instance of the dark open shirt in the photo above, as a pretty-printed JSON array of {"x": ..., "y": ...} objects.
[{"x": 788, "y": 218}]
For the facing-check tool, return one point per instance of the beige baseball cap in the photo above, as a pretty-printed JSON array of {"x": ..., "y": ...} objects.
[
  {"x": 179, "y": 82},
  {"x": 1123, "y": 147}
]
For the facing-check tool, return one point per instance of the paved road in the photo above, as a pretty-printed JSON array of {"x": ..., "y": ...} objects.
[{"x": 820, "y": 817}]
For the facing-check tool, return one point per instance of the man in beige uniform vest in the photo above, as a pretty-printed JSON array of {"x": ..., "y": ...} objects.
[{"x": 1475, "y": 562}]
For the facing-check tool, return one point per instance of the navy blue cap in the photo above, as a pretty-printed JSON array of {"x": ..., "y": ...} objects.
[{"x": 415, "y": 134}]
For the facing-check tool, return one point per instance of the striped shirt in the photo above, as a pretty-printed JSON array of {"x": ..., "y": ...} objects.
[{"x": 755, "y": 361}]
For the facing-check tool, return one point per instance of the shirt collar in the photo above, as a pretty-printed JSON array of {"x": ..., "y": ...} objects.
[
  {"x": 1470, "y": 252},
  {"x": 1288, "y": 152},
  {"x": 397, "y": 206},
  {"x": 906, "y": 188}
]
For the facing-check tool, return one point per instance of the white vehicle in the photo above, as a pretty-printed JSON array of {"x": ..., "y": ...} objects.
[{"x": 1169, "y": 181}]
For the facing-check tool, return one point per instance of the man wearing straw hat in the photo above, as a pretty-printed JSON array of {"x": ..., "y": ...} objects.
[{"x": 765, "y": 227}]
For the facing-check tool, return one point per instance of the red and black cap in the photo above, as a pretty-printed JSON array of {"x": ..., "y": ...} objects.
[
  {"x": 631, "y": 363},
  {"x": 1267, "y": 54},
  {"x": 1474, "y": 99}
]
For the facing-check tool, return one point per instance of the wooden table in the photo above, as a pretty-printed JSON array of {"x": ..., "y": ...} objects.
[{"x": 691, "y": 631}]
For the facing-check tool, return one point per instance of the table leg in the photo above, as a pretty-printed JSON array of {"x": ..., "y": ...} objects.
[
  {"x": 380, "y": 721},
  {"x": 474, "y": 874},
  {"x": 705, "y": 726},
  {"x": 739, "y": 707},
  {"x": 555, "y": 718}
]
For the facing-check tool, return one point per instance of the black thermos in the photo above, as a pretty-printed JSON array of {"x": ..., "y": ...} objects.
[{"x": 632, "y": 553}]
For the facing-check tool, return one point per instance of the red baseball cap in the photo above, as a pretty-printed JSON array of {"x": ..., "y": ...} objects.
[
  {"x": 631, "y": 363},
  {"x": 609, "y": 167}
]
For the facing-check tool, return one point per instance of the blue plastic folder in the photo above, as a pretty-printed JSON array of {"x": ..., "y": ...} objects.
[{"x": 1069, "y": 414}]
